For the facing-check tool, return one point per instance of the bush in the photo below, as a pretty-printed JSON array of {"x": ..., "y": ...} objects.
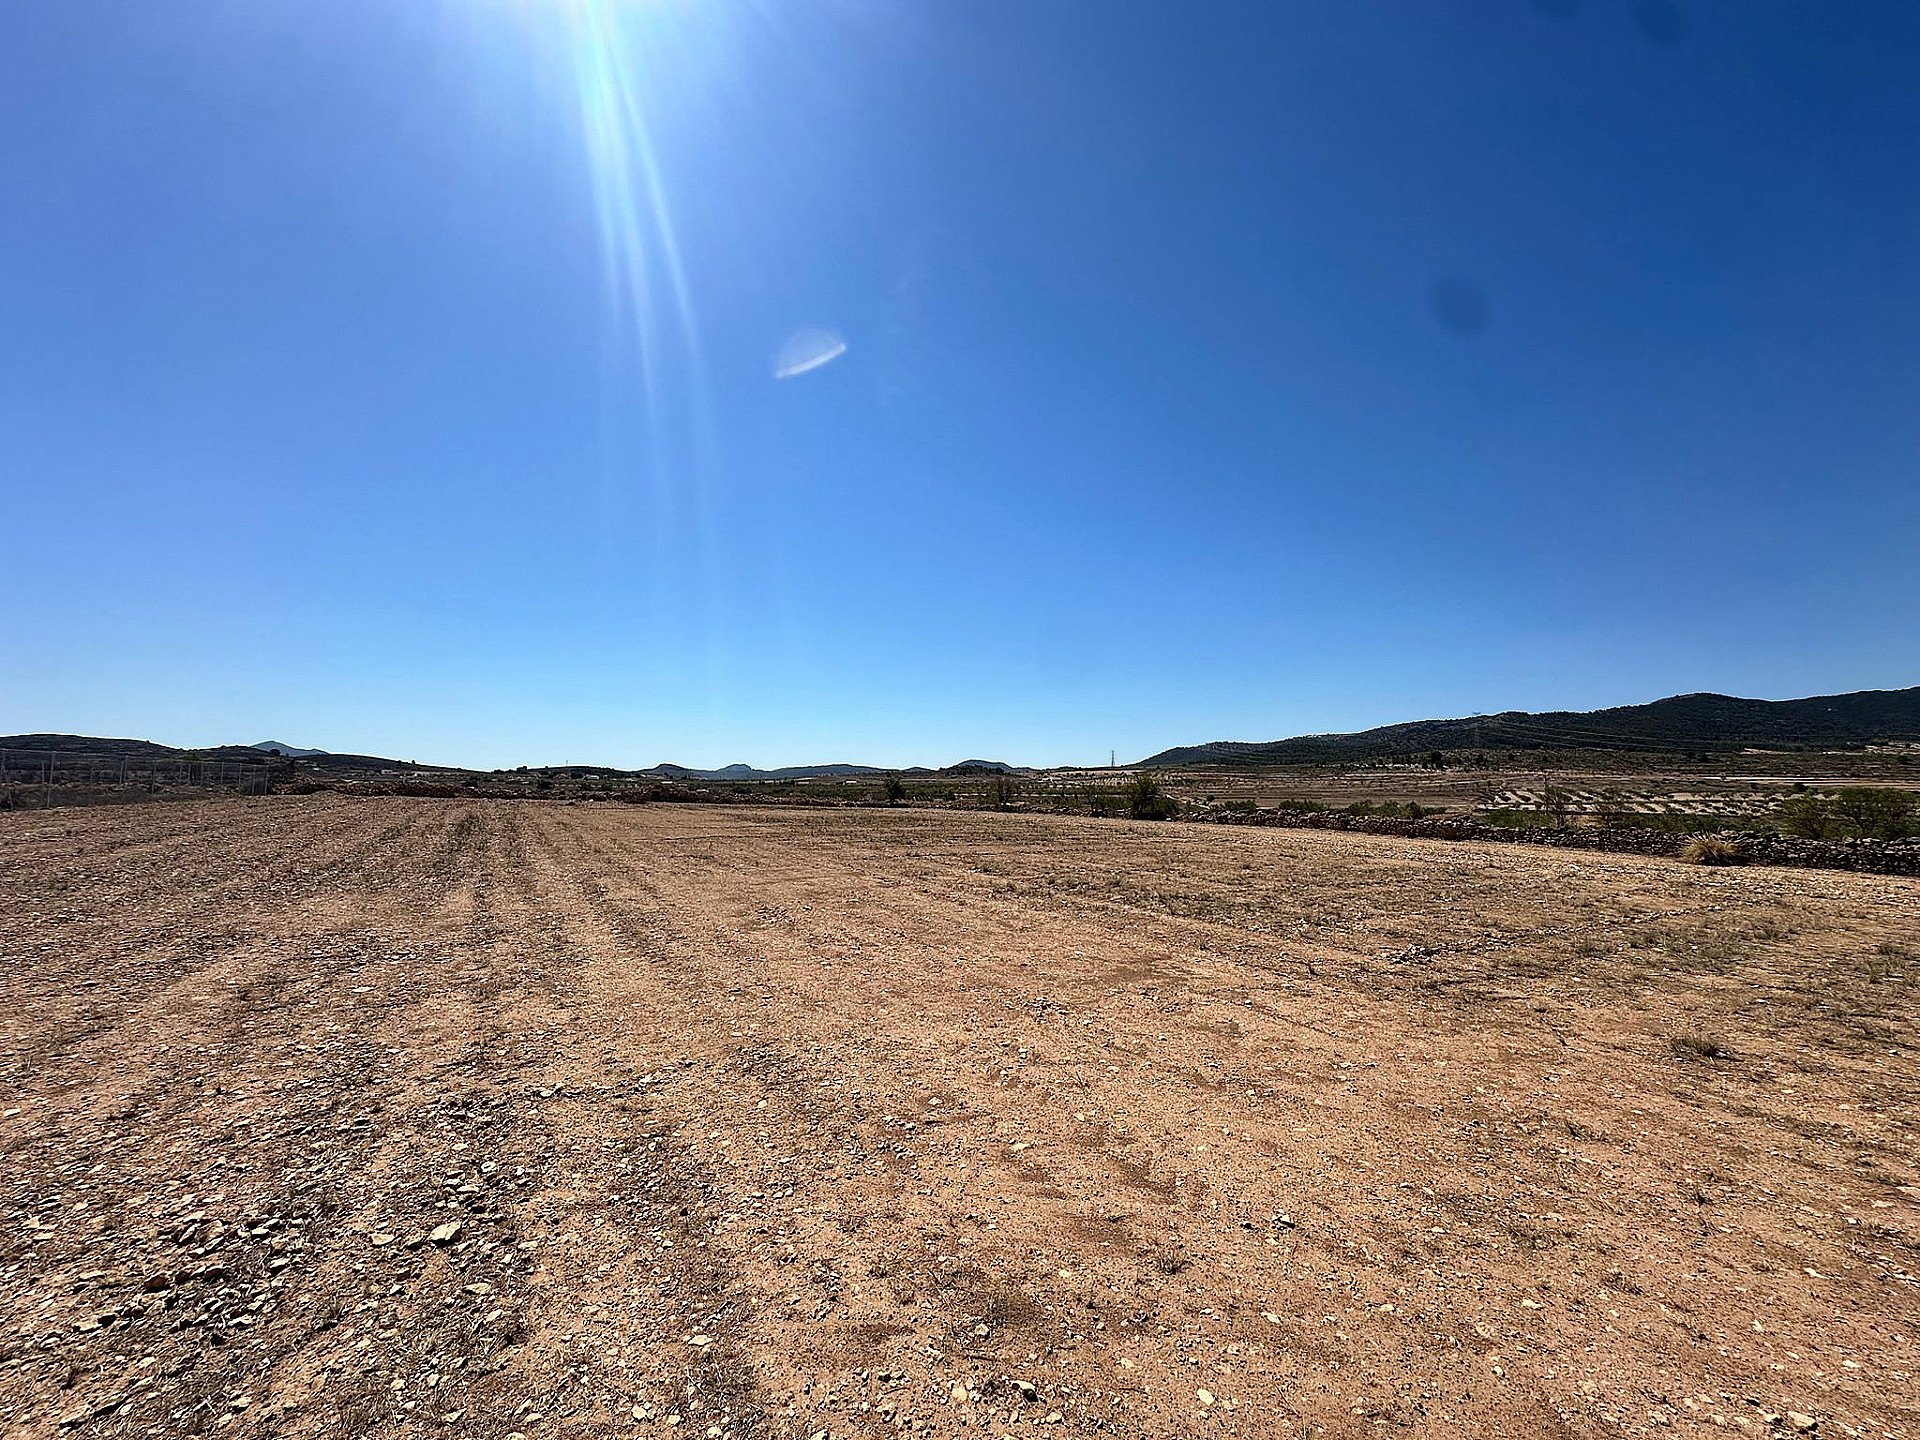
[
  {"x": 1810, "y": 817},
  {"x": 896, "y": 791},
  {"x": 1146, "y": 800},
  {"x": 1678, "y": 822},
  {"x": 1712, "y": 850},
  {"x": 1877, "y": 812}
]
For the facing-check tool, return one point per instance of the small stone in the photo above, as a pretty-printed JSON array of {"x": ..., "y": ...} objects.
[
  {"x": 1205, "y": 1397},
  {"x": 1801, "y": 1421},
  {"x": 381, "y": 1239},
  {"x": 444, "y": 1234}
]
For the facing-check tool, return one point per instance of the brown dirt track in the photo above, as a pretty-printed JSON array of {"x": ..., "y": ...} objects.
[{"x": 938, "y": 1122}]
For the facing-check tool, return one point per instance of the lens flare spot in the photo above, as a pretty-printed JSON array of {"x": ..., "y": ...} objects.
[{"x": 807, "y": 350}]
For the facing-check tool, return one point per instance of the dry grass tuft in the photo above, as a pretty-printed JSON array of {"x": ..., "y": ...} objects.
[
  {"x": 1712, "y": 850},
  {"x": 1699, "y": 1047}
]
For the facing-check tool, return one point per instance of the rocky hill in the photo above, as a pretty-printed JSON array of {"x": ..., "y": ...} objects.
[{"x": 1681, "y": 723}]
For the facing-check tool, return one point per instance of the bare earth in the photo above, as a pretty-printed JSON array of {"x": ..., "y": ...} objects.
[{"x": 346, "y": 1117}]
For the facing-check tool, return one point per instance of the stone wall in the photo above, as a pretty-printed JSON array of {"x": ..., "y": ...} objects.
[{"x": 1879, "y": 857}]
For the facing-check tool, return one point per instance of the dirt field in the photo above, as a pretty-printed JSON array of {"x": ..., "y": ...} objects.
[{"x": 344, "y": 1117}]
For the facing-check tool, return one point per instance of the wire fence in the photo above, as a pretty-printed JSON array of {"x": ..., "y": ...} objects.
[{"x": 48, "y": 777}]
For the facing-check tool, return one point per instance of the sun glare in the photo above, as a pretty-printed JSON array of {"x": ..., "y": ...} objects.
[{"x": 638, "y": 247}]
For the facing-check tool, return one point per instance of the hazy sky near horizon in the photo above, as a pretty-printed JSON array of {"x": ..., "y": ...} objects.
[{"x": 524, "y": 381}]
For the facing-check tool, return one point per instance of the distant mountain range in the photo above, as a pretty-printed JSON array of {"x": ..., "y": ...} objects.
[
  {"x": 281, "y": 748},
  {"x": 326, "y": 760},
  {"x": 1681, "y": 723},
  {"x": 749, "y": 772},
  {"x": 816, "y": 772}
]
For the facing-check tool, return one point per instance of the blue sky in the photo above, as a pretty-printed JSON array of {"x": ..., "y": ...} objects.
[{"x": 401, "y": 377}]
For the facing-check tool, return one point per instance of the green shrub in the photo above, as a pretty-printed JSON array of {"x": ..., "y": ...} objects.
[
  {"x": 1676, "y": 822},
  {"x": 1146, "y": 800},
  {"x": 1877, "y": 812},
  {"x": 1809, "y": 816}
]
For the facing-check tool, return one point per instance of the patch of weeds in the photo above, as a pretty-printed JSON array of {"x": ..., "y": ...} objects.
[
  {"x": 1699, "y": 1047},
  {"x": 1171, "y": 1260},
  {"x": 1885, "y": 962}
]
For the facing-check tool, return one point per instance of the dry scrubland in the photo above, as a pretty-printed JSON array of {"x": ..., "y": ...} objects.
[{"x": 344, "y": 1117}]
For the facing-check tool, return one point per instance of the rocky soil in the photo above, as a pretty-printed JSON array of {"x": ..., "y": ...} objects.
[{"x": 342, "y": 1117}]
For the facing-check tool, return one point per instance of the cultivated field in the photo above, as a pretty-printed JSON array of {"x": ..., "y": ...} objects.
[{"x": 374, "y": 1116}]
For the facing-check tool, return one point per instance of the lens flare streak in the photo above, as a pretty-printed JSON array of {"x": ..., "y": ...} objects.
[{"x": 636, "y": 225}]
